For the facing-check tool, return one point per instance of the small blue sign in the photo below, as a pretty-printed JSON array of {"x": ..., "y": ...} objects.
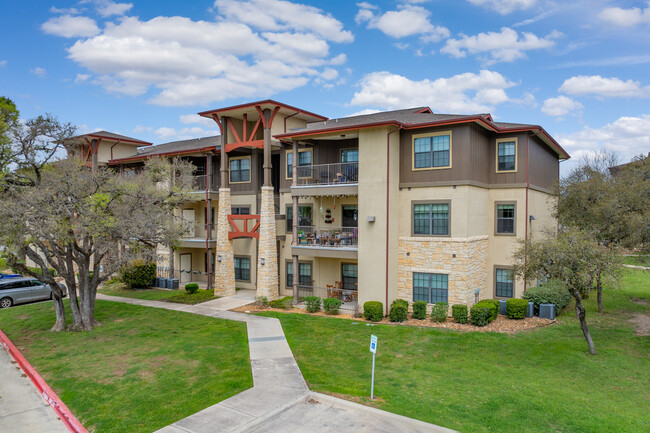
[{"x": 373, "y": 343}]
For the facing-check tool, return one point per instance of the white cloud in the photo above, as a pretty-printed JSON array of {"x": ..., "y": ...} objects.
[
  {"x": 3, "y": 63},
  {"x": 280, "y": 15},
  {"x": 107, "y": 8},
  {"x": 69, "y": 26},
  {"x": 504, "y": 6},
  {"x": 171, "y": 134},
  {"x": 39, "y": 72},
  {"x": 604, "y": 87},
  {"x": 198, "y": 62},
  {"x": 70, "y": 11},
  {"x": 625, "y": 17},
  {"x": 363, "y": 112},
  {"x": 463, "y": 93},
  {"x": 505, "y": 46},
  {"x": 81, "y": 78},
  {"x": 626, "y": 136},
  {"x": 560, "y": 106},
  {"x": 140, "y": 129},
  {"x": 408, "y": 20},
  {"x": 191, "y": 119}
]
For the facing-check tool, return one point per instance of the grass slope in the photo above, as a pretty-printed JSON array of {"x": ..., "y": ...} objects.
[
  {"x": 538, "y": 381},
  {"x": 143, "y": 369}
]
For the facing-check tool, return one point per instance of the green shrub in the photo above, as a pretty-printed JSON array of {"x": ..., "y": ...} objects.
[
  {"x": 551, "y": 292},
  {"x": 484, "y": 312},
  {"x": 331, "y": 305},
  {"x": 420, "y": 310},
  {"x": 312, "y": 303},
  {"x": 516, "y": 308},
  {"x": 439, "y": 312},
  {"x": 459, "y": 313},
  {"x": 3, "y": 263},
  {"x": 191, "y": 288},
  {"x": 262, "y": 300},
  {"x": 138, "y": 273},
  {"x": 398, "y": 310},
  {"x": 282, "y": 303},
  {"x": 373, "y": 311}
]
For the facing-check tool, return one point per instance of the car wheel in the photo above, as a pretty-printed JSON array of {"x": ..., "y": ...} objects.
[{"x": 6, "y": 302}]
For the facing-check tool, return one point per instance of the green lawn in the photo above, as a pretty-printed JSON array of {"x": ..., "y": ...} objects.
[
  {"x": 143, "y": 369},
  {"x": 641, "y": 260},
  {"x": 536, "y": 381},
  {"x": 179, "y": 296}
]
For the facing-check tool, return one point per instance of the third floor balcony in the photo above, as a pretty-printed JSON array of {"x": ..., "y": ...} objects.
[{"x": 338, "y": 178}]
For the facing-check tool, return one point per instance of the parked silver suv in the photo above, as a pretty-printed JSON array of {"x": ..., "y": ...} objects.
[{"x": 19, "y": 290}]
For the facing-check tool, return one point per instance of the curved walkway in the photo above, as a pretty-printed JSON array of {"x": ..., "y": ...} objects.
[{"x": 279, "y": 400}]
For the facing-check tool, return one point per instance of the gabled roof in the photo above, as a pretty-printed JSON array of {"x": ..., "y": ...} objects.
[
  {"x": 111, "y": 136},
  {"x": 181, "y": 147},
  {"x": 237, "y": 110}
]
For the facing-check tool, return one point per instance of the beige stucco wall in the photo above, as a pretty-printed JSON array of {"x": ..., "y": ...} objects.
[
  {"x": 246, "y": 247},
  {"x": 120, "y": 150}
]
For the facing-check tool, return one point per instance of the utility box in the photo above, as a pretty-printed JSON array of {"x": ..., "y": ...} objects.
[
  {"x": 174, "y": 284},
  {"x": 547, "y": 311},
  {"x": 530, "y": 311},
  {"x": 502, "y": 307}
]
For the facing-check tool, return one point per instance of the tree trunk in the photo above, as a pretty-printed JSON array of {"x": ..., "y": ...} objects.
[
  {"x": 74, "y": 306},
  {"x": 581, "y": 315},
  {"x": 59, "y": 325},
  {"x": 599, "y": 290}
]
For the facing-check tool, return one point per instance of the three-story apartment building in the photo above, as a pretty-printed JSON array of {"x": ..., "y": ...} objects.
[{"x": 401, "y": 204}]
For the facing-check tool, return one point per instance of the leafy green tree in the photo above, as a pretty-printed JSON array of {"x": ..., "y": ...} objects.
[
  {"x": 572, "y": 256},
  {"x": 8, "y": 121}
]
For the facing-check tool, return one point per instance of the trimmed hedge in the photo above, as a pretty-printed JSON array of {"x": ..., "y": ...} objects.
[
  {"x": 312, "y": 303},
  {"x": 398, "y": 310},
  {"x": 484, "y": 312},
  {"x": 373, "y": 311},
  {"x": 459, "y": 313},
  {"x": 420, "y": 310},
  {"x": 191, "y": 288},
  {"x": 439, "y": 312},
  {"x": 516, "y": 308},
  {"x": 551, "y": 292},
  {"x": 331, "y": 305},
  {"x": 282, "y": 303},
  {"x": 138, "y": 273}
]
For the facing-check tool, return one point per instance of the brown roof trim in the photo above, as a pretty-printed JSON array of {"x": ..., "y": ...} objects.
[
  {"x": 121, "y": 140},
  {"x": 338, "y": 128},
  {"x": 153, "y": 155},
  {"x": 209, "y": 113}
]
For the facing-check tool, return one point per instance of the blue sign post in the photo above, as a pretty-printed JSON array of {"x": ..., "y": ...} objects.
[{"x": 373, "y": 349}]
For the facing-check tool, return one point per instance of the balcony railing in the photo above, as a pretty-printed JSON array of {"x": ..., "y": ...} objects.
[
  {"x": 201, "y": 181},
  {"x": 200, "y": 231},
  {"x": 340, "y": 173},
  {"x": 348, "y": 297},
  {"x": 329, "y": 236}
]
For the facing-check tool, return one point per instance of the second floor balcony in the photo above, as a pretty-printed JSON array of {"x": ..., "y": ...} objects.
[
  {"x": 327, "y": 241},
  {"x": 196, "y": 236},
  {"x": 204, "y": 182},
  {"x": 340, "y": 178}
]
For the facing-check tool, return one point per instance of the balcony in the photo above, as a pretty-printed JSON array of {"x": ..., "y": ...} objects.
[
  {"x": 341, "y": 178},
  {"x": 197, "y": 234},
  {"x": 349, "y": 298},
  {"x": 201, "y": 183},
  {"x": 329, "y": 241}
]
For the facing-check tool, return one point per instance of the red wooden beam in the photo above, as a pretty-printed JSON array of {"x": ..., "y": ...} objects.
[
  {"x": 261, "y": 113},
  {"x": 216, "y": 119},
  {"x": 275, "y": 111},
  {"x": 257, "y": 125},
  {"x": 234, "y": 132},
  {"x": 244, "y": 126},
  {"x": 236, "y": 233},
  {"x": 232, "y": 146}
]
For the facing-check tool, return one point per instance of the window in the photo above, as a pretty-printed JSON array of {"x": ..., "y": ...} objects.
[
  {"x": 507, "y": 155},
  {"x": 349, "y": 216},
  {"x": 304, "y": 158},
  {"x": 205, "y": 216},
  {"x": 432, "y": 151},
  {"x": 240, "y": 169},
  {"x": 243, "y": 268},
  {"x": 304, "y": 275},
  {"x": 431, "y": 219},
  {"x": 241, "y": 210},
  {"x": 430, "y": 287},
  {"x": 350, "y": 155},
  {"x": 349, "y": 276},
  {"x": 304, "y": 216},
  {"x": 504, "y": 285},
  {"x": 505, "y": 219}
]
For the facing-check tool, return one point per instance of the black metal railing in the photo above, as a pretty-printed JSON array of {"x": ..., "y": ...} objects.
[{"x": 339, "y": 173}]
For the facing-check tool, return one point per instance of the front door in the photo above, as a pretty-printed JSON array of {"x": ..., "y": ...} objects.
[
  {"x": 186, "y": 268},
  {"x": 188, "y": 219}
]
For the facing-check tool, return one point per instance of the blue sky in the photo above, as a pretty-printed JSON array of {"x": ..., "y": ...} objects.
[{"x": 145, "y": 68}]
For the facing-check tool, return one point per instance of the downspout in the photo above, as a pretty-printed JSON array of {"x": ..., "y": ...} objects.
[
  {"x": 527, "y": 217},
  {"x": 208, "y": 216},
  {"x": 285, "y": 119},
  {"x": 388, "y": 205},
  {"x": 116, "y": 143}
]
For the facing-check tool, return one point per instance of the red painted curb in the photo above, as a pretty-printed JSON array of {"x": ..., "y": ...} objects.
[{"x": 62, "y": 411}]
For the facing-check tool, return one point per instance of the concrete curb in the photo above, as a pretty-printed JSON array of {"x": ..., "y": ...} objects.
[{"x": 62, "y": 411}]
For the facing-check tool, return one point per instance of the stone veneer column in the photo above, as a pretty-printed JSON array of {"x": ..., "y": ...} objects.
[
  {"x": 267, "y": 274},
  {"x": 224, "y": 275}
]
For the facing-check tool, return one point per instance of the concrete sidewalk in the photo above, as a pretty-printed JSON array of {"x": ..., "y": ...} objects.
[
  {"x": 279, "y": 400},
  {"x": 22, "y": 408}
]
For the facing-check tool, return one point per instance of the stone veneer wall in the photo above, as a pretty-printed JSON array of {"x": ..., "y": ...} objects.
[
  {"x": 267, "y": 274},
  {"x": 467, "y": 271},
  {"x": 224, "y": 274}
]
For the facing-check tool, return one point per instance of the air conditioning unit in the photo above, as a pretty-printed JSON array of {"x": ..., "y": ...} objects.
[
  {"x": 530, "y": 311},
  {"x": 502, "y": 307},
  {"x": 547, "y": 311}
]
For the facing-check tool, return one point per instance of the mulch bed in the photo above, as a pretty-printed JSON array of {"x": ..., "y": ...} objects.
[{"x": 500, "y": 324}]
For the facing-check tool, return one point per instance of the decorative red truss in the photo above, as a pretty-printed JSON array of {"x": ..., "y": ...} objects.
[{"x": 238, "y": 233}]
